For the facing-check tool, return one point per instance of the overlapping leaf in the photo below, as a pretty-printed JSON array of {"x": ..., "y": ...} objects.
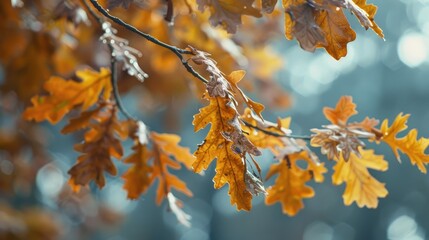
[
  {"x": 64, "y": 95},
  {"x": 340, "y": 136},
  {"x": 152, "y": 164},
  {"x": 230, "y": 166},
  {"x": 164, "y": 147},
  {"x": 361, "y": 187},
  {"x": 137, "y": 178},
  {"x": 411, "y": 146},
  {"x": 290, "y": 186},
  {"x": 322, "y": 23},
  {"x": 101, "y": 144}
]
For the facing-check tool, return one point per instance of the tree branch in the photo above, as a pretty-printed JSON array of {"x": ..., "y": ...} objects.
[{"x": 177, "y": 51}]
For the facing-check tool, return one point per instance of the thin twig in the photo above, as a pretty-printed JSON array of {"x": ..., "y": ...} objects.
[
  {"x": 177, "y": 51},
  {"x": 114, "y": 81},
  {"x": 274, "y": 133}
]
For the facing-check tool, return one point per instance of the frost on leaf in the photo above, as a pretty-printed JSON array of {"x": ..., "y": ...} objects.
[
  {"x": 228, "y": 13},
  {"x": 341, "y": 136},
  {"x": 290, "y": 186},
  {"x": 65, "y": 95},
  {"x": 410, "y": 145},
  {"x": 361, "y": 187},
  {"x": 122, "y": 52}
]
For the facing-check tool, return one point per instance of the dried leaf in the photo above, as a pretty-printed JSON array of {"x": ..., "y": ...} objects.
[
  {"x": 366, "y": 15},
  {"x": 343, "y": 111},
  {"x": 65, "y": 95},
  {"x": 100, "y": 145},
  {"x": 235, "y": 77},
  {"x": 164, "y": 146},
  {"x": 409, "y": 145},
  {"x": 82, "y": 121},
  {"x": 361, "y": 187},
  {"x": 229, "y": 165},
  {"x": 337, "y": 31},
  {"x": 301, "y": 24},
  {"x": 290, "y": 186},
  {"x": 137, "y": 178}
]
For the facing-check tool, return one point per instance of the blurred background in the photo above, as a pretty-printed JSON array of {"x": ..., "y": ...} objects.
[{"x": 383, "y": 77}]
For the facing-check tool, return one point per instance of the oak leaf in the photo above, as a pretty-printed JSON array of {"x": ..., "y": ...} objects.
[
  {"x": 229, "y": 164},
  {"x": 290, "y": 186},
  {"x": 409, "y": 145},
  {"x": 300, "y": 23},
  {"x": 337, "y": 31},
  {"x": 164, "y": 147},
  {"x": 367, "y": 17},
  {"x": 344, "y": 109},
  {"x": 259, "y": 138},
  {"x": 234, "y": 78},
  {"x": 137, "y": 177},
  {"x": 100, "y": 145},
  {"x": 361, "y": 187},
  {"x": 65, "y": 95}
]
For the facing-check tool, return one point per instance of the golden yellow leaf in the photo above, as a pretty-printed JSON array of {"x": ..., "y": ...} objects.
[
  {"x": 235, "y": 77},
  {"x": 361, "y": 187},
  {"x": 261, "y": 139},
  {"x": 229, "y": 165},
  {"x": 64, "y": 95},
  {"x": 290, "y": 186},
  {"x": 409, "y": 145}
]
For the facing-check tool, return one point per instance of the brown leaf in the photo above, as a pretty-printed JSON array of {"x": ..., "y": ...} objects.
[
  {"x": 302, "y": 25},
  {"x": 100, "y": 145}
]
